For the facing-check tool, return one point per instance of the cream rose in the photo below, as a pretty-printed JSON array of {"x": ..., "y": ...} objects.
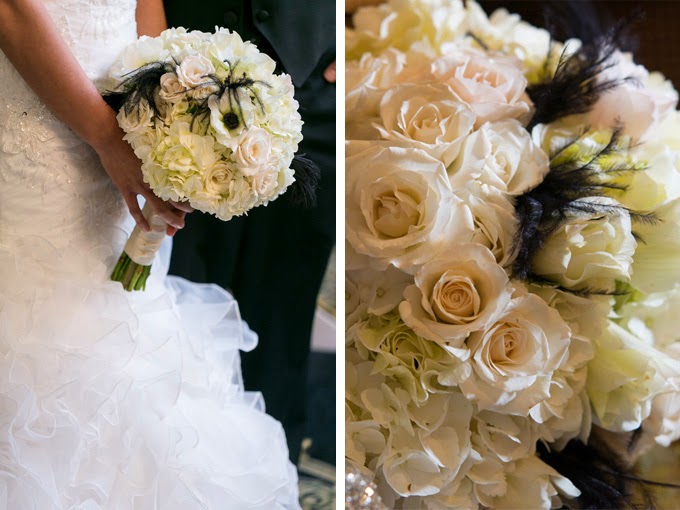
[
  {"x": 140, "y": 118},
  {"x": 503, "y": 156},
  {"x": 218, "y": 179},
  {"x": 172, "y": 90},
  {"x": 254, "y": 151},
  {"x": 265, "y": 183},
  {"x": 461, "y": 291},
  {"x": 493, "y": 86},
  {"x": 399, "y": 207},
  {"x": 194, "y": 71},
  {"x": 513, "y": 360},
  {"x": 593, "y": 251},
  {"x": 494, "y": 220},
  {"x": 640, "y": 108},
  {"x": 428, "y": 117}
]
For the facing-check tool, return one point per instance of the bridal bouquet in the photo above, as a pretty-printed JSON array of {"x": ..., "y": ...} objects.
[
  {"x": 513, "y": 257},
  {"x": 212, "y": 124}
]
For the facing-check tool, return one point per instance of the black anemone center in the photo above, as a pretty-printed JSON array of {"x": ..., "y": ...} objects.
[{"x": 231, "y": 120}]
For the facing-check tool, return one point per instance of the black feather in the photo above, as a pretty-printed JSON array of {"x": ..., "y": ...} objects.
[
  {"x": 307, "y": 176},
  {"x": 564, "y": 194},
  {"x": 604, "y": 476},
  {"x": 138, "y": 86},
  {"x": 574, "y": 88}
]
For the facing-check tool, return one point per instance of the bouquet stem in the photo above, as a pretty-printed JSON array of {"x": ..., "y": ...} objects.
[{"x": 134, "y": 265}]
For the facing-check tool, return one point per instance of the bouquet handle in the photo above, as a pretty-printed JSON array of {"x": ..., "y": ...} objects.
[{"x": 134, "y": 265}]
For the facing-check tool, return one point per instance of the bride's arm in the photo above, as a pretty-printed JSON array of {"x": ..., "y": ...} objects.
[
  {"x": 150, "y": 17},
  {"x": 31, "y": 41}
]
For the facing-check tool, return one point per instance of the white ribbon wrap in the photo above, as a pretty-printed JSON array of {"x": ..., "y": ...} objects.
[{"x": 143, "y": 246}]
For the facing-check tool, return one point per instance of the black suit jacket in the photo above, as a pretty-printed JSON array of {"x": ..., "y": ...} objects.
[
  {"x": 273, "y": 259},
  {"x": 301, "y": 33}
]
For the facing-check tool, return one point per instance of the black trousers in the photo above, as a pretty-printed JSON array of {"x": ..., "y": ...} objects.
[{"x": 273, "y": 262}]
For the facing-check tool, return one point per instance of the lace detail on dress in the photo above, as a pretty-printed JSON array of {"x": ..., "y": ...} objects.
[
  {"x": 25, "y": 131},
  {"x": 104, "y": 21}
]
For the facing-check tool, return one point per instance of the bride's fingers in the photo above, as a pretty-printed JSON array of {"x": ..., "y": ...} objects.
[
  {"x": 182, "y": 206},
  {"x": 170, "y": 216},
  {"x": 135, "y": 211}
]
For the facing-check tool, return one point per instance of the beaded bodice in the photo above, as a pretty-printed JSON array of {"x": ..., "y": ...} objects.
[{"x": 51, "y": 183}]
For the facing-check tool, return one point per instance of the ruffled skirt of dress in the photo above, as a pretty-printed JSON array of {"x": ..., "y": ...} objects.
[{"x": 127, "y": 401}]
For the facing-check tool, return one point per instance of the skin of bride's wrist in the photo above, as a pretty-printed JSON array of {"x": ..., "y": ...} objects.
[{"x": 105, "y": 132}]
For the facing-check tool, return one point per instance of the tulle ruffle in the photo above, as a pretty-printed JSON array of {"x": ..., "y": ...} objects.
[{"x": 116, "y": 400}]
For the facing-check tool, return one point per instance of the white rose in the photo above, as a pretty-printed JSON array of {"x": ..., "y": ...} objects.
[
  {"x": 194, "y": 70},
  {"x": 400, "y": 208},
  {"x": 428, "y": 117},
  {"x": 140, "y": 118},
  {"x": 513, "y": 360},
  {"x": 367, "y": 80},
  {"x": 623, "y": 379},
  {"x": 265, "y": 183},
  {"x": 659, "y": 181},
  {"x": 640, "y": 108},
  {"x": 506, "y": 32},
  {"x": 172, "y": 90},
  {"x": 400, "y": 24},
  {"x": 144, "y": 51},
  {"x": 253, "y": 151},
  {"x": 585, "y": 315},
  {"x": 663, "y": 423},
  {"x": 461, "y": 291},
  {"x": 656, "y": 264},
  {"x": 493, "y": 86},
  {"x": 204, "y": 91},
  {"x": 589, "y": 251},
  {"x": 503, "y": 156}
]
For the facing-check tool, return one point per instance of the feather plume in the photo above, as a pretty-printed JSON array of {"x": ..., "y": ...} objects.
[
  {"x": 307, "y": 176},
  {"x": 138, "y": 86},
  {"x": 575, "y": 86},
  {"x": 602, "y": 469},
  {"x": 571, "y": 188}
]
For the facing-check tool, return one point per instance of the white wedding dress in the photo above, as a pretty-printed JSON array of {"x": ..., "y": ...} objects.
[{"x": 109, "y": 399}]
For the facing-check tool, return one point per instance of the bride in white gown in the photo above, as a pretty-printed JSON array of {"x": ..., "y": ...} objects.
[{"x": 108, "y": 399}]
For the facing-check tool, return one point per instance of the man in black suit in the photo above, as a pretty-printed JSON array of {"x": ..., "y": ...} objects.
[{"x": 273, "y": 260}]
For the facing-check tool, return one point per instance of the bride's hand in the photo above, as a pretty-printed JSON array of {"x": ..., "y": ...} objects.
[
  {"x": 31, "y": 41},
  {"x": 124, "y": 168}
]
